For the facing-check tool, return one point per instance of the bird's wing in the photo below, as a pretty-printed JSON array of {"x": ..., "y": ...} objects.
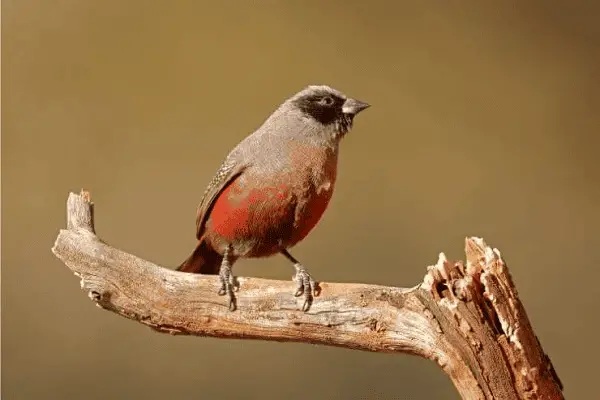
[{"x": 228, "y": 171}]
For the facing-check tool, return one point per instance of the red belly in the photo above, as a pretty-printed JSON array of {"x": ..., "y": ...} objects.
[
  {"x": 310, "y": 216},
  {"x": 264, "y": 218}
]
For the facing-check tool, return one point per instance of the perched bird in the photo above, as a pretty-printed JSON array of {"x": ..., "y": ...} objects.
[{"x": 273, "y": 187}]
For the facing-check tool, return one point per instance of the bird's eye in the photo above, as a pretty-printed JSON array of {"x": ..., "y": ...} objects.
[{"x": 327, "y": 101}]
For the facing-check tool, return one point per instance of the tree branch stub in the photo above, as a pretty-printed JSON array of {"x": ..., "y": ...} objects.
[{"x": 466, "y": 317}]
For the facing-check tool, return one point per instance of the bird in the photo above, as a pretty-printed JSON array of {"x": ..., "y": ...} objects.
[{"x": 273, "y": 188}]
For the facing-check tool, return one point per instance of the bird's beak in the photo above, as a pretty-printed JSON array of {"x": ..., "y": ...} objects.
[{"x": 353, "y": 106}]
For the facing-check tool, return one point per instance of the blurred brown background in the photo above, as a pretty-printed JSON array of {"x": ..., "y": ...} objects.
[{"x": 484, "y": 122}]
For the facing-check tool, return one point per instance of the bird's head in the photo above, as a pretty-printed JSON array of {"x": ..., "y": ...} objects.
[{"x": 326, "y": 109}]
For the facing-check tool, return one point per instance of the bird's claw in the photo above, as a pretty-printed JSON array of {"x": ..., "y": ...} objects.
[
  {"x": 228, "y": 286},
  {"x": 306, "y": 286}
]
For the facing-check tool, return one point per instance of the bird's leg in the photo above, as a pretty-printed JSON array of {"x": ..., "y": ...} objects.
[
  {"x": 306, "y": 285},
  {"x": 228, "y": 284}
]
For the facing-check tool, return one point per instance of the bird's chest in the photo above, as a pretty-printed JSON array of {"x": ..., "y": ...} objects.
[
  {"x": 276, "y": 204},
  {"x": 312, "y": 172},
  {"x": 318, "y": 176}
]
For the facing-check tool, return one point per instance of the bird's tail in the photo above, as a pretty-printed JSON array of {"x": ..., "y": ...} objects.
[{"x": 204, "y": 260}]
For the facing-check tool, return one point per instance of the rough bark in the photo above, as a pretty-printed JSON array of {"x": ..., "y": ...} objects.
[{"x": 467, "y": 317}]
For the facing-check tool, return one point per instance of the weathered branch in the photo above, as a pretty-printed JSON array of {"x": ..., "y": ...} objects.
[{"x": 467, "y": 318}]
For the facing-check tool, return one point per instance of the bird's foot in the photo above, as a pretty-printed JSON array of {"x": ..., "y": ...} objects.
[
  {"x": 228, "y": 285},
  {"x": 306, "y": 286}
]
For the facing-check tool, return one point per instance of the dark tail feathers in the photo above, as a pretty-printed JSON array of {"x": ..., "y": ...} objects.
[{"x": 204, "y": 260}]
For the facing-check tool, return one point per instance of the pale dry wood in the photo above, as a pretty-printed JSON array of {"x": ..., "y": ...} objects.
[{"x": 467, "y": 318}]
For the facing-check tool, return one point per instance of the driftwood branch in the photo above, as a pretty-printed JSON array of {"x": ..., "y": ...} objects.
[{"x": 465, "y": 317}]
